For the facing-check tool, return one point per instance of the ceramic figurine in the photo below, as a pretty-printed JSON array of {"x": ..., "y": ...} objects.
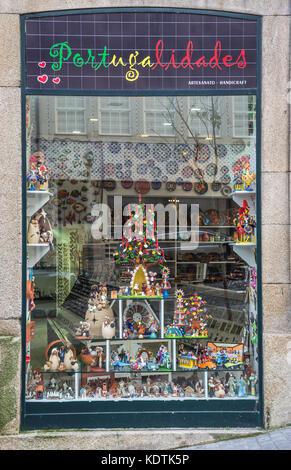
[
  {"x": 69, "y": 361},
  {"x": 199, "y": 389},
  {"x": 153, "y": 329},
  {"x": 211, "y": 387},
  {"x": 242, "y": 387},
  {"x": 252, "y": 382},
  {"x": 31, "y": 180},
  {"x": 131, "y": 390},
  {"x": 83, "y": 331},
  {"x": 104, "y": 390},
  {"x": 108, "y": 328},
  {"x": 165, "y": 281},
  {"x": 174, "y": 391},
  {"x": 54, "y": 361},
  {"x": 219, "y": 389},
  {"x": 231, "y": 386},
  {"x": 98, "y": 310},
  {"x": 189, "y": 391}
]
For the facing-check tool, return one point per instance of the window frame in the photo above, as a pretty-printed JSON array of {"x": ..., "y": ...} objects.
[
  {"x": 200, "y": 136},
  {"x": 65, "y": 109},
  {"x": 144, "y": 111},
  {"x": 234, "y": 112},
  {"x": 129, "y": 110}
]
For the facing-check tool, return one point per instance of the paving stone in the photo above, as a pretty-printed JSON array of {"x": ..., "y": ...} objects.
[
  {"x": 280, "y": 439},
  {"x": 283, "y": 445},
  {"x": 268, "y": 447}
]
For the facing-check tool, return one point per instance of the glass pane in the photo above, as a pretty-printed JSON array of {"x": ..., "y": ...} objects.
[{"x": 141, "y": 248}]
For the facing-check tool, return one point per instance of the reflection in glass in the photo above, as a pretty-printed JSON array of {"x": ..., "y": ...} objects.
[{"x": 141, "y": 239}]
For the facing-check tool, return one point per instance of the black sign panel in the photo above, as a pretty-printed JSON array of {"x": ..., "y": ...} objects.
[{"x": 141, "y": 51}]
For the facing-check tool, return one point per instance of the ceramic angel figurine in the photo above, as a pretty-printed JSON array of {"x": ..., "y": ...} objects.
[
  {"x": 53, "y": 363},
  {"x": 70, "y": 362}
]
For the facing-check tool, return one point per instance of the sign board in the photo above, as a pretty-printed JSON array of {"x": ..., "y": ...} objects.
[{"x": 141, "y": 51}]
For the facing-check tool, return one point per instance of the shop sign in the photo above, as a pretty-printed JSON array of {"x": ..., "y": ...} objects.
[{"x": 141, "y": 51}]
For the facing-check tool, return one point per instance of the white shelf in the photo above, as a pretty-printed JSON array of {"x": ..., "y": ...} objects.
[
  {"x": 249, "y": 196},
  {"x": 35, "y": 200},
  {"x": 246, "y": 251},
  {"x": 35, "y": 251}
]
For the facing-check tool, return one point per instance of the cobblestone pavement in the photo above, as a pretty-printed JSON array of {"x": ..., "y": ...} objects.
[{"x": 273, "y": 440}]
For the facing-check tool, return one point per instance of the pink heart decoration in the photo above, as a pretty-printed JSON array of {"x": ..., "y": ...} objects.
[
  {"x": 42, "y": 78},
  {"x": 42, "y": 64},
  {"x": 56, "y": 80}
]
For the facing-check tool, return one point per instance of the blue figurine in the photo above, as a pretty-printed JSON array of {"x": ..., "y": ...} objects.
[{"x": 242, "y": 387}]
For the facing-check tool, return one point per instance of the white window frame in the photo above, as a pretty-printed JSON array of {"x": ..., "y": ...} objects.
[
  {"x": 189, "y": 106},
  {"x": 100, "y": 110},
  {"x": 234, "y": 112},
  {"x": 155, "y": 111},
  {"x": 69, "y": 108}
]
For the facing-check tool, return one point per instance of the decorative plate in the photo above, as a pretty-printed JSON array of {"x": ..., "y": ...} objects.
[
  {"x": 203, "y": 153},
  {"x": 187, "y": 186},
  {"x": 200, "y": 188},
  {"x": 211, "y": 169},
  {"x": 224, "y": 169},
  {"x": 109, "y": 169},
  {"x": 126, "y": 184},
  {"x": 187, "y": 172},
  {"x": 214, "y": 216},
  {"x": 156, "y": 184},
  {"x": 109, "y": 185},
  {"x": 171, "y": 186},
  {"x": 215, "y": 186},
  {"x": 226, "y": 190},
  {"x": 225, "y": 179},
  {"x": 137, "y": 312},
  {"x": 142, "y": 186},
  {"x": 221, "y": 150}
]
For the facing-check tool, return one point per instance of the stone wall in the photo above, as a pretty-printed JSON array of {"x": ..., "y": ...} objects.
[{"x": 275, "y": 193}]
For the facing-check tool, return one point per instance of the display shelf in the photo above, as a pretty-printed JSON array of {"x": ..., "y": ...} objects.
[
  {"x": 246, "y": 251},
  {"x": 35, "y": 251},
  {"x": 35, "y": 200},
  {"x": 249, "y": 196}
]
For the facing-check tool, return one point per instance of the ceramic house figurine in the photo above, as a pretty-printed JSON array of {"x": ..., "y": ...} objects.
[{"x": 98, "y": 311}]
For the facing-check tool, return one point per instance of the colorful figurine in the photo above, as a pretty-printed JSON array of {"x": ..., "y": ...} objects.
[{"x": 242, "y": 387}]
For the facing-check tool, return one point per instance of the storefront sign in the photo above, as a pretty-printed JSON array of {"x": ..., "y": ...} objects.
[{"x": 141, "y": 51}]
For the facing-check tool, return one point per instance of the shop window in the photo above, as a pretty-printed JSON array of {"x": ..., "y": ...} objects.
[
  {"x": 70, "y": 115},
  {"x": 115, "y": 116}
]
